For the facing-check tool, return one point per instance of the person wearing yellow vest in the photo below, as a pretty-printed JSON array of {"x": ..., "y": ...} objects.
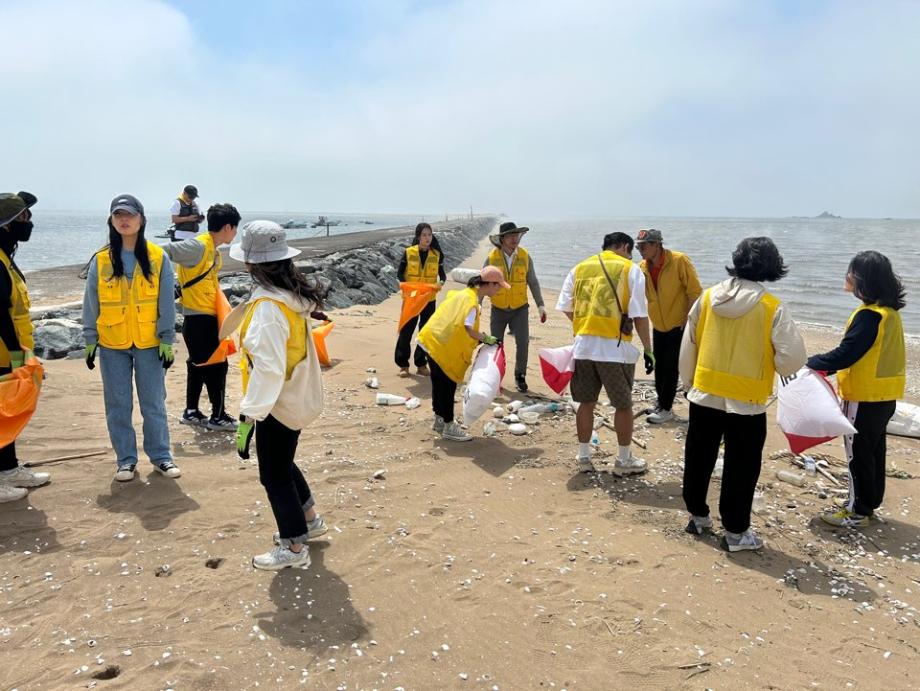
[
  {"x": 422, "y": 262},
  {"x": 870, "y": 363},
  {"x": 510, "y": 311},
  {"x": 449, "y": 338},
  {"x": 281, "y": 383},
  {"x": 129, "y": 320},
  {"x": 16, "y": 340},
  {"x": 671, "y": 286},
  {"x": 185, "y": 214},
  {"x": 199, "y": 263},
  {"x": 738, "y": 336},
  {"x": 604, "y": 298}
]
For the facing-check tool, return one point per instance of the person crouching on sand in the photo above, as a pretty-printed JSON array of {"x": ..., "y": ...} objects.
[
  {"x": 737, "y": 337},
  {"x": 449, "y": 338},
  {"x": 870, "y": 365},
  {"x": 422, "y": 262},
  {"x": 129, "y": 319},
  {"x": 282, "y": 386}
]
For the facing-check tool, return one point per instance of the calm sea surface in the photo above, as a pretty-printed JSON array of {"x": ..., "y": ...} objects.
[{"x": 817, "y": 251}]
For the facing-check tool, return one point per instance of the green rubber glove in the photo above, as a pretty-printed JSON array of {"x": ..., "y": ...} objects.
[
  {"x": 166, "y": 355},
  {"x": 17, "y": 358},
  {"x": 490, "y": 340},
  {"x": 649, "y": 357},
  {"x": 244, "y": 436},
  {"x": 90, "y": 352}
]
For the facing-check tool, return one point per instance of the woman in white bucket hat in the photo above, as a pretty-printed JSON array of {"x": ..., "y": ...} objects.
[{"x": 282, "y": 388}]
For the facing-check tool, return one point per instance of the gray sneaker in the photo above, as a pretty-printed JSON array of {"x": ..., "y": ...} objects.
[
  {"x": 438, "y": 424},
  {"x": 315, "y": 528},
  {"x": 735, "y": 542},
  {"x": 454, "y": 432},
  {"x": 224, "y": 423},
  {"x": 699, "y": 525},
  {"x": 584, "y": 464},
  {"x": 23, "y": 477},
  {"x": 660, "y": 416},
  {"x": 631, "y": 466},
  {"x": 281, "y": 558},
  {"x": 10, "y": 493}
]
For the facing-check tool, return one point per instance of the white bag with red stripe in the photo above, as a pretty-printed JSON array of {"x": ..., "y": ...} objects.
[{"x": 809, "y": 411}]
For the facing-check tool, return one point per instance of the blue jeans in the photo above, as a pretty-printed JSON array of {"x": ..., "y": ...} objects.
[{"x": 117, "y": 367}]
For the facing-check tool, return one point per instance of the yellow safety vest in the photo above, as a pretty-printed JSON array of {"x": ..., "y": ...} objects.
[
  {"x": 296, "y": 348},
  {"x": 19, "y": 311},
  {"x": 595, "y": 311},
  {"x": 202, "y": 297},
  {"x": 444, "y": 337},
  {"x": 879, "y": 375},
  {"x": 516, "y": 296},
  {"x": 735, "y": 356},
  {"x": 416, "y": 273},
  {"x": 128, "y": 313}
]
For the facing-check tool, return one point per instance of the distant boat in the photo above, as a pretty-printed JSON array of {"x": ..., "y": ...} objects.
[
  {"x": 325, "y": 222},
  {"x": 170, "y": 234},
  {"x": 291, "y": 223},
  {"x": 826, "y": 214}
]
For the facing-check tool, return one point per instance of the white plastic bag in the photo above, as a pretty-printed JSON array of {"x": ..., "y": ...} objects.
[
  {"x": 906, "y": 420},
  {"x": 485, "y": 382},
  {"x": 809, "y": 412},
  {"x": 558, "y": 366}
]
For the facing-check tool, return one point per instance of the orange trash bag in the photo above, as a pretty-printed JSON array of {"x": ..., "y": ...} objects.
[
  {"x": 415, "y": 297},
  {"x": 319, "y": 342},
  {"x": 227, "y": 347},
  {"x": 18, "y": 396}
]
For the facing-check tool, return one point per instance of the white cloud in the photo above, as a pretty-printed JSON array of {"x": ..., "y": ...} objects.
[{"x": 535, "y": 108}]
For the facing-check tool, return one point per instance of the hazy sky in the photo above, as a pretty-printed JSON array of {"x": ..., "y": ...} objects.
[{"x": 541, "y": 109}]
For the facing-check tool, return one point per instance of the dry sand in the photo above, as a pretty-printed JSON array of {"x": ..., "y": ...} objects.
[{"x": 490, "y": 564}]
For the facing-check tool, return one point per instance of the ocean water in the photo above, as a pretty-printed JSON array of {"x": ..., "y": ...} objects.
[{"x": 817, "y": 251}]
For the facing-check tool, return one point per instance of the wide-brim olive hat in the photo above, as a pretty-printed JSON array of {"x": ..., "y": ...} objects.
[
  {"x": 11, "y": 205},
  {"x": 506, "y": 228}
]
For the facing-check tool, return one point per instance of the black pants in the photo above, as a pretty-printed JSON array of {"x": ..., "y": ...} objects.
[
  {"x": 666, "y": 346},
  {"x": 443, "y": 389},
  {"x": 287, "y": 490},
  {"x": 200, "y": 333},
  {"x": 8, "y": 460},
  {"x": 744, "y": 437},
  {"x": 866, "y": 454},
  {"x": 404, "y": 342}
]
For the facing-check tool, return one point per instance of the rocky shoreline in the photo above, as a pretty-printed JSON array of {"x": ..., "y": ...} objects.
[{"x": 353, "y": 271}]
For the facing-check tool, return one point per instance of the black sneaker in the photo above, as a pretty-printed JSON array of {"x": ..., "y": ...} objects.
[
  {"x": 194, "y": 417},
  {"x": 521, "y": 383},
  {"x": 224, "y": 422}
]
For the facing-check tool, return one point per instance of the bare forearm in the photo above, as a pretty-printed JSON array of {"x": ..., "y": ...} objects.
[{"x": 642, "y": 329}]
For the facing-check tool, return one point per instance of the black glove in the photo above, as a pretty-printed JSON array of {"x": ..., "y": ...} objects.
[{"x": 649, "y": 357}]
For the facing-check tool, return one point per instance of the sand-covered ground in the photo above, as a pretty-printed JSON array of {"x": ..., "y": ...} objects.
[{"x": 484, "y": 565}]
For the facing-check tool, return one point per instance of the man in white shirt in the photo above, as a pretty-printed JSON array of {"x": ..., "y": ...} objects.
[
  {"x": 185, "y": 214},
  {"x": 604, "y": 297}
]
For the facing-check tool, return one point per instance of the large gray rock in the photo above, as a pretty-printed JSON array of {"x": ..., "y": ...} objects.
[{"x": 54, "y": 338}]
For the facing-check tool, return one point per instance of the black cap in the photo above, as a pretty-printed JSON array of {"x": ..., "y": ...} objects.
[
  {"x": 126, "y": 202},
  {"x": 191, "y": 191}
]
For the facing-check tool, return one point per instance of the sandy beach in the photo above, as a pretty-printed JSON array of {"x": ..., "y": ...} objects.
[{"x": 484, "y": 565}]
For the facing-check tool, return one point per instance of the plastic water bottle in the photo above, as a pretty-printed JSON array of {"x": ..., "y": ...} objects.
[
  {"x": 811, "y": 467},
  {"x": 595, "y": 439},
  {"x": 413, "y": 403},
  {"x": 793, "y": 478},
  {"x": 541, "y": 408},
  {"x": 390, "y": 399}
]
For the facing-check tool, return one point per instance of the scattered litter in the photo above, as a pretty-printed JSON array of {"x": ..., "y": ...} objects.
[
  {"x": 413, "y": 403},
  {"x": 793, "y": 478},
  {"x": 517, "y": 429},
  {"x": 372, "y": 383},
  {"x": 371, "y": 370},
  {"x": 390, "y": 399},
  {"x": 163, "y": 570},
  {"x": 214, "y": 562},
  {"x": 380, "y": 474}
]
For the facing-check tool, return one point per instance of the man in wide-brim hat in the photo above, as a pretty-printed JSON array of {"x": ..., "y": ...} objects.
[
  {"x": 510, "y": 310},
  {"x": 16, "y": 340}
]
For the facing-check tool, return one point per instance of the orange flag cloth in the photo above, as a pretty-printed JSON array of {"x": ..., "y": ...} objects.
[
  {"x": 18, "y": 395},
  {"x": 319, "y": 342},
  {"x": 227, "y": 347},
  {"x": 415, "y": 297}
]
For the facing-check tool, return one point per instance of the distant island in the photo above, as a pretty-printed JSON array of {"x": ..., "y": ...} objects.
[{"x": 826, "y": 214}]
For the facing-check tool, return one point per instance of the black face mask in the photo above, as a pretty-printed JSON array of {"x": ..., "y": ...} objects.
[{"x": 21, "y": 230}]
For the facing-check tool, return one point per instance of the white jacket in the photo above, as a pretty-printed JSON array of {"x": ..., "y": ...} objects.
[
  {"x": 734, "y": 298},
  {"x": 266, "y": 340}
]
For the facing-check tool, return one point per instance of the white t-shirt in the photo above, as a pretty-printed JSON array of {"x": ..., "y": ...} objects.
[
  {"x": 602, "y": 349},
  {"x": 174, "y": 211},
  {"x": 470, "y": 320}
]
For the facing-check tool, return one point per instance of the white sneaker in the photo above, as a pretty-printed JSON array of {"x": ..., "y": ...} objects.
[
  {"x": 10, "y": 493},
  {"x": 23, "y": 477},
  {"x": 454, "y": 432},
  {"x": 315, "y": 528},
  {"x": 699, "y": 525},
  {"x": 631, "y": 466},
  {"x": 281, "y": 558},
  {"x": 169, "y": 469},
  {"x": 584, "y": 464},
  {"x": 438, "y": 424},
  {"x": 659, "y": 416},
  {"x": 734, "y": 542}
]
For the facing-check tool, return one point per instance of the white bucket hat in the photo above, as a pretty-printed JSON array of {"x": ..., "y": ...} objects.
[{"x": 261, "y": 242}]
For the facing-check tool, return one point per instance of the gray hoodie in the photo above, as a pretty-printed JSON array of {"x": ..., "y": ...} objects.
[{"x": 734, "y": 298}]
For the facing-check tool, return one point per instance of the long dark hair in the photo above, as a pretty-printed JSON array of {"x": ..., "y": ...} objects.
[
  {"x": 757, "y": 259},
  {"x": 283, "y": 275},
  {"x": 435, "y": 245},
  {"x": 875, "y": 282},
  {"x": 140, "y": 250}
]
